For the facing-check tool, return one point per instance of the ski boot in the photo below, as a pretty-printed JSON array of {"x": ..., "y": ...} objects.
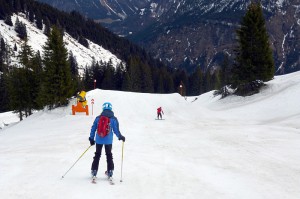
[
  {"x": 109, "y": 173},
  {"x": 94, "y": 173}
]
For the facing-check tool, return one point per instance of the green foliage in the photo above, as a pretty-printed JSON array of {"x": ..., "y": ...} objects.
[
  {"x": 254, "y": 59},
  {"x": 24, "y": 82},
  {"x": 76, "y": 82},
  {"x": 126, "y": 85},
  {"x": 216, "y": 79},
  {"x": 83, "y": 42},
  {"x": 18, "y": 90},
  {"x": 25, "y": 58},
  {"x": 196, "y": 82},
  {"x": 208, "y": 84},
  {"x": 20, "y": 28},
  {"x": 8, "y": 21},
  {"x": 108, "y": 81},
  {"x": 57, "y": 82},
  {"x": 52, "y": 80},
  {"x": 87, "y": 79},
  {"x": 36, "y": 80},
  {"x": 39, "y": 22},
  {"x": 119, "y": 76},
  {"x": 135, "y": 74},
  {"x": 225, "y": 71},
  {"x": 4, "y": 99}
]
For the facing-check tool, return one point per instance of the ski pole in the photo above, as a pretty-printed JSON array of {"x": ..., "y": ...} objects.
[
  {"x": 76, "y": 161},
  {"x": 122, "y": 162}
]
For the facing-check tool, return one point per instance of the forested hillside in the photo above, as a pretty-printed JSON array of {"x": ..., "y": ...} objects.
[{"x": 139, "y": 72}]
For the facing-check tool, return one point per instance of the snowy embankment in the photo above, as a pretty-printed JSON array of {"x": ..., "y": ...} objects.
[{"x": 231, "y": 148}]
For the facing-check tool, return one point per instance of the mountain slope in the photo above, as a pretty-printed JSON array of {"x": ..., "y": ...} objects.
[
  {"x": 36, "y": 39},
  {"x": 188, "y": 33},
  {"x": 81, "y": 29},
  {"x": 237, "y": 147},
  {"x": 201, "y": 33}
]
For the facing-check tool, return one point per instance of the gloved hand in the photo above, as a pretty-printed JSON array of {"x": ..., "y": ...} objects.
[
  {"x": 122, "y": 138},
  {"x": 92, "y": 142}
]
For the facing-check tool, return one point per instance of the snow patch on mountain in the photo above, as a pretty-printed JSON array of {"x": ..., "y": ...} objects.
[{"x": 37, "y": 39}]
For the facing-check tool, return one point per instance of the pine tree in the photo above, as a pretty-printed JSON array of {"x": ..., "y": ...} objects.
[
  {"x": 20, "y": 28},
  {"x": 225, "y": 71},
  {"x": 207, "y": 84},
  {"x": 25, "y": 57},
  {"x": 135, "y": 74},
  {"x": 216, "y": 80},
  {"x": 8, "y": 21},
  {"x": 4, "y": 99},
  {"x": 147, "y": 84},
  {"x": 119, "y": 76},
  {"x": 196, "y": 80},
  {"x": 169, "y": 83},
  {"x": 37, "y": 79},
  {"x": 74, "y": 72},
  {"x": 155, "y": 78},
  {"x": 97, "y": 72},
  {"x": 87, "y": 79},
  {"x": 4, "y": 10},
  {"x": 160, "y": 84},
  {"x": 47, "y": 29},
  {"x": 2, "y": 46},
  {"x": 17, "y": 5},
  {"x": 31, "y": 16},
  {"x": 24, "y": 82},
  {"x": 126, "y": 84},
  {"x": 38, "y": 20},
  {"x": 184, "y": 82},
  {"x": 17, "y": 90},
  {"x": 57, "y": 76},
  {"x": 83, "y": 41},
  {"x": 254, "y": 60},
  {"x": 108, "y": 81}
]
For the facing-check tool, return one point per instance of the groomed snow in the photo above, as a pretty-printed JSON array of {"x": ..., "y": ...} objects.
[{"x": 234, "y": 148}]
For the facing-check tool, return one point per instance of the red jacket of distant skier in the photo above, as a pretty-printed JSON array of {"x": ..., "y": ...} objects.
[{"x": 159, "y": 110}]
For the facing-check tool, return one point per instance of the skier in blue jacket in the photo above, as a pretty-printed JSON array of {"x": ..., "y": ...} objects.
[{"x": 105, "y": 141}]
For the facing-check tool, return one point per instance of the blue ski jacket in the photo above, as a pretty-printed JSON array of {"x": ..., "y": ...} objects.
[{"x": 114, "y": 128}]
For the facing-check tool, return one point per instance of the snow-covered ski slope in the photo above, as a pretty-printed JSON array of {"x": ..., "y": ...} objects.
[{"x": 234, "y": 148}]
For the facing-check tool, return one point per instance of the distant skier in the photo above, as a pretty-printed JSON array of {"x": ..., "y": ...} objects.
[
  {"x": 105, "y": 124},
  {"x": 159, "y": 111}
]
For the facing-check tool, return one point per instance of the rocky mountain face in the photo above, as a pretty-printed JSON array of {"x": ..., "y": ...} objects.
[{"x": 187, "y": 33}]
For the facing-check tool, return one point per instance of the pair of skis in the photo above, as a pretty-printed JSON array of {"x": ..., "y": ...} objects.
[{"x": 110, "y": 180}]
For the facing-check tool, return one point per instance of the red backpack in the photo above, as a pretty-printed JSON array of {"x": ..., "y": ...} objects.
[{"x": 103, "y": 126}]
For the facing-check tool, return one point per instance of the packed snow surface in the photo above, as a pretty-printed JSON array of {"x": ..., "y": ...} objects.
[{"x": 232, "y": 148}]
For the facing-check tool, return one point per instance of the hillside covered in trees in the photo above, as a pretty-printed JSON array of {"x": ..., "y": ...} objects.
[
  {"x": 36, "y": 81},
  {"x": 138, "y": 73}
]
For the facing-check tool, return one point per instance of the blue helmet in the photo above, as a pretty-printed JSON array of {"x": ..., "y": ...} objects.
[{"x": 107, "y": 106}]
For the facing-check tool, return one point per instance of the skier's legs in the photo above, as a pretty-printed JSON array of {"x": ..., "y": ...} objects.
[
  {"x": 109, "y": 157},
  {"x": 97, "y": 156},
  {"x": 159, "y": 114}
]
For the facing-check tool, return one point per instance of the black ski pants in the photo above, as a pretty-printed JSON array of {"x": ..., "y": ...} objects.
[
  {"x": 109, "y": 157},
  {"x": 159, "y": 115}
]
